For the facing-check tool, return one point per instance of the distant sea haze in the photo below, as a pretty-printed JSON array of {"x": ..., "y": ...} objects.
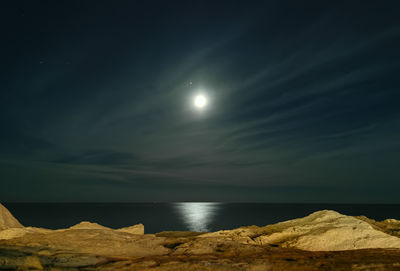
[{"x": 182, "y": 216}]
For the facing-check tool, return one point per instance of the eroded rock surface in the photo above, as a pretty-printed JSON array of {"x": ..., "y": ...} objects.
[
  {"x": 309, "y": 243},
  {"x": 135, "y": 229},
  {"x": 7, "y": 220},
  {"x": 322, "y": 230},
  {"x": 329, "y": 230},
  {"x": 86, "y": 225},
  {"x": 12, "y": 233},
  {"x": 389, "y": 226}
]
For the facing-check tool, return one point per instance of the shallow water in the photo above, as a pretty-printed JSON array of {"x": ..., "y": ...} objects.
[{"x": 183, "y": 216}]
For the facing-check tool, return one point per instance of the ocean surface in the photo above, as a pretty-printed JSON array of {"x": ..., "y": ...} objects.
[{"x": 183, "y": 216}]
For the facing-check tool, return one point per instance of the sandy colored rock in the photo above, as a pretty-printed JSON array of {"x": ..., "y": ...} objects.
[
  {"x": 329, "y": 230},
  {"x": 238, "y": 257},
  {"x": 20, "y": 232},
  {"x": 88, "y": 226},
  {"x": 96, "y": 241},
  {"x": 7, "y": 220},
  {"x": 135, "y": 229},
  {"x": 320, "y": 231},
  {"x": 242, "y": 235},
  {"x": 389, "y": 226},
  {"x": 300, "y": 244}
]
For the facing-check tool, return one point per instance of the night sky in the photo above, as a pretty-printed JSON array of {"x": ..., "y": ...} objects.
[{"x": 96, "y": 101}]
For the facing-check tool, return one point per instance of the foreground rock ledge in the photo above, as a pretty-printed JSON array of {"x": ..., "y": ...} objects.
[{"x": 324, "y": 240}]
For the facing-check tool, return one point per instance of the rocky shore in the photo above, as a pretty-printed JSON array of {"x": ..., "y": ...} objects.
[{"x": 324, "y": 240}]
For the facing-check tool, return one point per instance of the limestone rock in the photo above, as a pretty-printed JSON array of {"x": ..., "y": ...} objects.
[
  {"x": 135, "y": 229},
  {"x": 90, "y": 246},
  {"x": 321, "y": 231},
  {"x": 86, "y": 225},
  {"x": 7, "y": 220},
  {"x": 94, "y": 241},
  {"x": 328, "y": 231},
  {"x": 20, "y": 232},
  {"x": 233, "y": 257},
  {"x": 389, "y": 226},
  {"x": 242, "y": 235}
]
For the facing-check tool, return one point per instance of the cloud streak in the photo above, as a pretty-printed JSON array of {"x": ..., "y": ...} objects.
[{"x": 298, "y": 102}]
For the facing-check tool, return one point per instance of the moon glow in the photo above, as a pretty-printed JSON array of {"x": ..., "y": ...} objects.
[{"x": 200, "y": 101}]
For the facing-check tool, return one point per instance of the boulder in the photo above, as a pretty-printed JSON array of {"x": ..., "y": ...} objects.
[
  {"x": 321, "y": 231},
  {"x": 329, "y": 230}
]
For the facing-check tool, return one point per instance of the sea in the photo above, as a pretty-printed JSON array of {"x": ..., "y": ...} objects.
[{"x": 183, "y": 216}]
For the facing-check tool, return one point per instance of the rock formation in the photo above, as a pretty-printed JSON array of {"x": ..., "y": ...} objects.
[
  {"x": 86, "y": 225},
  {"x": 7, "y": 220},
  {"x": 12, "y": 233},
  {"x": 329, "y": 230},
  {"x": 135, "y": 229},
  {"x": 321, "y": 231},
  {"x": 324, "y": 238}
]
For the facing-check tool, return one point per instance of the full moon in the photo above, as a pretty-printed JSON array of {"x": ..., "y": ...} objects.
[{"x": 200, "y": 101}]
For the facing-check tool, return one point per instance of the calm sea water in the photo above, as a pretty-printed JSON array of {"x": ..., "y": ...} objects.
[{"x": 184, "y": 216}]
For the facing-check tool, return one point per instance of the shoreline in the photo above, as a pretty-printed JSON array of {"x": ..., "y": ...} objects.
[{"x": 324, "y": 240}]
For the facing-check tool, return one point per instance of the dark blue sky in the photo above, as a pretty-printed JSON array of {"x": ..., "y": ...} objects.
[{"x": 96, "y": 101}]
